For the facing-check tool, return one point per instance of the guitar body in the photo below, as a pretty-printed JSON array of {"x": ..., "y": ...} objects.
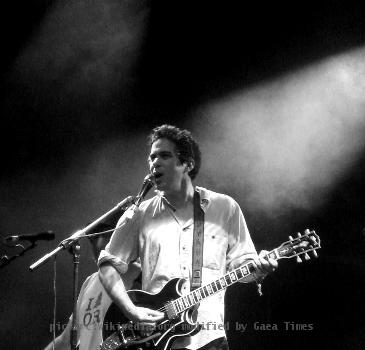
[{"x": 120, "y": 333}]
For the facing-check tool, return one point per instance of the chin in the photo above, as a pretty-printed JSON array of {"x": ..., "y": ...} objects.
[{"x": 160, "y": 187}]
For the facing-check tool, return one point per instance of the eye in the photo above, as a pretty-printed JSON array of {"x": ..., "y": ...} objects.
[{"x": 165, "y": 155}]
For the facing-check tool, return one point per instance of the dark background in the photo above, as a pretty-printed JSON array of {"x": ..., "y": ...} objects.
[{"x": 82, "y": 83}]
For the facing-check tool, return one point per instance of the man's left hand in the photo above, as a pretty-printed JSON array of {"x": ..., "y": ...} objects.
[{"x": 264, "y": 265}]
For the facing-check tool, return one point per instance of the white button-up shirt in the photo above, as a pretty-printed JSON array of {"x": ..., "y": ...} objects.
[{"x": 165, "y": 247}]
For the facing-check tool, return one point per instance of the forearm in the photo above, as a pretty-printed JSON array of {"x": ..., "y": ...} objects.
[{"x": 114, "y": 286}]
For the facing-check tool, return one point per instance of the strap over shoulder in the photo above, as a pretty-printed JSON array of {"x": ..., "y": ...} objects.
[{"x": 198, "y": 243}]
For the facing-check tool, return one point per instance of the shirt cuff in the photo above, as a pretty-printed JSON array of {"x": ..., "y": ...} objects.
[{"x": 112, "y": 260}]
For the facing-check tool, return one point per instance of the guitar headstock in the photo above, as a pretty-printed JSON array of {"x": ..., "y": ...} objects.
[{"x": 300, "y": 246}]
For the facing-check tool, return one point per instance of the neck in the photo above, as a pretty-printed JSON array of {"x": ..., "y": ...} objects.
[{"x": 181, "y": 197}]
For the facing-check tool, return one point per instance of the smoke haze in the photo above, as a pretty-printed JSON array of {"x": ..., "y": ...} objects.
[{"x": 286, "y": 143}]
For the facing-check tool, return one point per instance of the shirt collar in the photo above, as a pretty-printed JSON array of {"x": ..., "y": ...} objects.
[{"x": 204, "y": 198}]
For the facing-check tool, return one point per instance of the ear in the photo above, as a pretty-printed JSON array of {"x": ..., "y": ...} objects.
[{"x": 190, "y": 165}]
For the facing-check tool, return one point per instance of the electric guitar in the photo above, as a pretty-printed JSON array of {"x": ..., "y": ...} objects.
[{"x": 181, "y": 310}]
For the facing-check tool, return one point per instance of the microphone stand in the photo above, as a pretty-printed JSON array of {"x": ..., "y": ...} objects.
[
  {"x": 5, "y": 260},
  {"x": 70, "y": 241},
  {"x": 76, "y": 261},
  {"x": 73, "y": 242}
]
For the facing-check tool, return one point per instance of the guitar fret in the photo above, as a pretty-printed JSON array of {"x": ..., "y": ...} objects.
[
  {"x": 233, "y": 276},
  {"x": 179, "y": 306},
  {"x": 244, "y": 270},
  {"x": 176, "y": 306},
  {"x": 183, "y": 307},
  {"x": 214, "y": 287},
  {"x": 186, "y": 300},
  {"x": 223, "y": 282},
  {"x": 239, "y": 273},
  {"x": 183, "y": 301},
  {"x": 194, "y": 297},
  {"x": 201, "y": 291},
  {"x": 190, "y": 301},
  {"x": 219, "y": 286},
  {"x": 209, "y": 289},
  {"x": 206, "y": 294},
  {"x": 228, "y": 279},
  {"x": 251, "y": 268}
]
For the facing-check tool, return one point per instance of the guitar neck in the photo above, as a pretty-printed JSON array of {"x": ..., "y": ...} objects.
[{"x": 193, "y": 298}]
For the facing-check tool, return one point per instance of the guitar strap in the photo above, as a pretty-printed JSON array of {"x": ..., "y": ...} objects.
[{"x": 198, "y": 243}]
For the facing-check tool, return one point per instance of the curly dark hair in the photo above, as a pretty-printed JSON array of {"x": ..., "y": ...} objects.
[{"x": 187, "y": 149}]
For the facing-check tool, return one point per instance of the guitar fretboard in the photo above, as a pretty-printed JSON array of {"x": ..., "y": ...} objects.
[{"x": 187, "y": 301}]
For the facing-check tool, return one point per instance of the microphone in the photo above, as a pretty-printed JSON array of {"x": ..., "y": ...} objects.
[
  {"x": 146, "y": 186},
  {"x": 41, "y": 236}
]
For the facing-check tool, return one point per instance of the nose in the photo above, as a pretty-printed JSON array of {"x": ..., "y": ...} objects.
[{"x": 155, "y": 163}]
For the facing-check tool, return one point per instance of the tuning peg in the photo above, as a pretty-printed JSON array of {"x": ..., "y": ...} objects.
[
  {"x": 306, "y": 256},
  {"x": 291, "y": 238},
  {"x": 299, "y": 260},
  {"x": 315, "y": 254},
  {"x": 299, "y": 235}
]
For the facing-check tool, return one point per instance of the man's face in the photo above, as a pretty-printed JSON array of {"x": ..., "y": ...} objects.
[{"x": 165, "y": 166}]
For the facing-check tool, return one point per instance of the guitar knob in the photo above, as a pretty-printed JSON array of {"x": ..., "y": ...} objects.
[
  {"x": 313, "y": 239},
  {"x": 299, "y": 260}
]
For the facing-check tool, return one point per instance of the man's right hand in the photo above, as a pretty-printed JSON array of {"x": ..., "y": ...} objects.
[{"x": 146, "y": 319}]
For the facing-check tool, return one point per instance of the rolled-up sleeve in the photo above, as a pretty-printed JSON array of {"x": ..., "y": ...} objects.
[
  {"x": 240, "y": 245},
  {"x": 123, "y": 245}
]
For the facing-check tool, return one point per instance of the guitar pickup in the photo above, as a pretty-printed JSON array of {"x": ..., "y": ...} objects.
[{"x": 170, "y": 310}]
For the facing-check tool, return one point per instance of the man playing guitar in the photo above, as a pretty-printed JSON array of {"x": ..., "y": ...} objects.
[{"x": 161, "y": 235}]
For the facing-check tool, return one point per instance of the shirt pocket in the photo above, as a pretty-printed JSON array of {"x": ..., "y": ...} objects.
[{"x": 215, "y": 248}]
